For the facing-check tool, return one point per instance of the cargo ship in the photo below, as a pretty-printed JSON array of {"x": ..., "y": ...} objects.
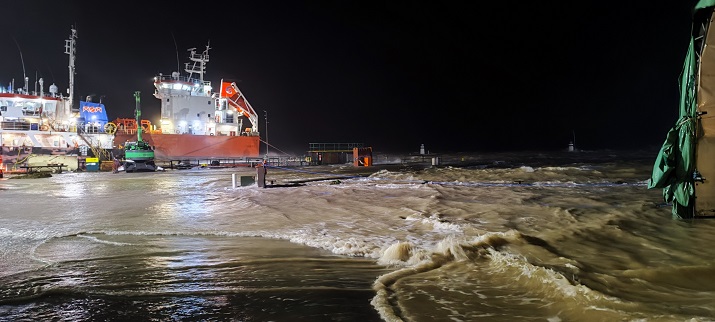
[
  {"x": 196, "y": 123},
  {"x": 41, "y": 127}
]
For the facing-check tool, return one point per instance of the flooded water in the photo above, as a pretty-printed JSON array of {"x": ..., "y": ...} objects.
[{"x": 482, "y": 237}]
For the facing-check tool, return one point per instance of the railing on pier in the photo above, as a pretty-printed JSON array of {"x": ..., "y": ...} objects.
[{"x": 333, "y": 147}]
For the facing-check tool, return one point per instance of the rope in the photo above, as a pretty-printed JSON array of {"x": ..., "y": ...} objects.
[{"x": 275, "y": 148}]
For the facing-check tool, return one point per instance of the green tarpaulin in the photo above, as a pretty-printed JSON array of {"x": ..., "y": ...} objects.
[{"x": 675, "y": 168}]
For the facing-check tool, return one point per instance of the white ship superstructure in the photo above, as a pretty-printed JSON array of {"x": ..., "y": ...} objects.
[
  {"x": 189, "y": 106},
  {"x": 37, "y": 123}
]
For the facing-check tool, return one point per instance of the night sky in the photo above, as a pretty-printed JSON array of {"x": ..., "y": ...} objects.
[{"x": 457, "y": 76}]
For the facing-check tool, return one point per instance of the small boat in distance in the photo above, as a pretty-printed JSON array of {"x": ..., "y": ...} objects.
[{"x": 138, "y": 155}]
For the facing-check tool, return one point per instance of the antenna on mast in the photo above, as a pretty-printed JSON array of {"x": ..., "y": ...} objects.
[
  {"x": 199, "y": 63},
  {"x": 23, "y": 63},
  {"x": 178, "y": 67},
  {"x": 51, "y": 73},
  {"x": 71, "y": 49}
]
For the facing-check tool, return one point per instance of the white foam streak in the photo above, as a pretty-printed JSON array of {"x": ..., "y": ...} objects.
[
  {"x": 28, "y": 234},
  {"x": 453, "y": 247},
  {"x": 417, "y": 261},
  {"x": 552, "y": 284},
  {"x": 398, "y": 253},
  {"x": 97, "y": 240},
  {"x": 339, "y": 246},
  {"x": 441, "y": 225},
  {"x": 554, "y": 281}
]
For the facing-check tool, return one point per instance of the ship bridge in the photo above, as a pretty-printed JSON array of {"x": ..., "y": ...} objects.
[{"x": 178, "y": 85}]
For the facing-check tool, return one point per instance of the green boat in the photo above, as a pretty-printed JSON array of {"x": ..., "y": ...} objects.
[
  {"x": 138, "y": 155},
  {"x": 685, "y": 165}
]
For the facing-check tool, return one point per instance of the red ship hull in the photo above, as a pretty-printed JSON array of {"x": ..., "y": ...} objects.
[{"x": 188, "y": 146}]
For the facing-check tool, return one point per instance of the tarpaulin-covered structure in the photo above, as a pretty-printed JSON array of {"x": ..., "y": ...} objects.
[
  {"x": 93, "y": 113},
  {"x": 685, "y": 165}
]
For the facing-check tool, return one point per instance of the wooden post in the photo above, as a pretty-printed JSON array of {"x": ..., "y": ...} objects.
[{"x": 261, "y": 175}]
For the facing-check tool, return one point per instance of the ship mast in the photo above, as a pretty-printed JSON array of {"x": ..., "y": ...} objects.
[
  {"x": 138, "y": 116},
  {"x": 199, "y": 66},
  {"x": 71, "y": 49}
]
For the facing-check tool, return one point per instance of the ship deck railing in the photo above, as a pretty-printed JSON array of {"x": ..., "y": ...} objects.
[
  {"x": 185, "y": 79},
  {"x": 27, "y": 126},
  {"x": 16, "y": 126}
]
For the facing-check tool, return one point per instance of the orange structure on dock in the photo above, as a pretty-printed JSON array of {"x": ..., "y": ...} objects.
[{"x": 362, "y": 157}]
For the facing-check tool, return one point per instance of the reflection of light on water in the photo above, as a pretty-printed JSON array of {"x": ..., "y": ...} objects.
[
  {"x": 177, "y": 199},
  {"x": 190, "y": 209},
  {"x": 187, "y": 270},
  {"x": 73, "y": 190},
  {"x": 102, "y": 185},
  {"x": 188, "y": 307}
]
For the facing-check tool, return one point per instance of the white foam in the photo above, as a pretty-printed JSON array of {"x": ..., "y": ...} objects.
[
  {"x": 101, "y": 241},
  {"x": 548, "y": 277},
  {"x": 439, "y": 224},
  {"x": 526, "y": 168}
]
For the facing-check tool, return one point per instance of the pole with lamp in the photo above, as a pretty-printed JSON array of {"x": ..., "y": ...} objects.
[
  {"x": 261, "y": 171},
  {"x": 265, "y": 114}
]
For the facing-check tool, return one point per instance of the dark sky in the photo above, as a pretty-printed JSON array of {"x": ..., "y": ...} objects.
[{"x": 454, "y": 75}]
